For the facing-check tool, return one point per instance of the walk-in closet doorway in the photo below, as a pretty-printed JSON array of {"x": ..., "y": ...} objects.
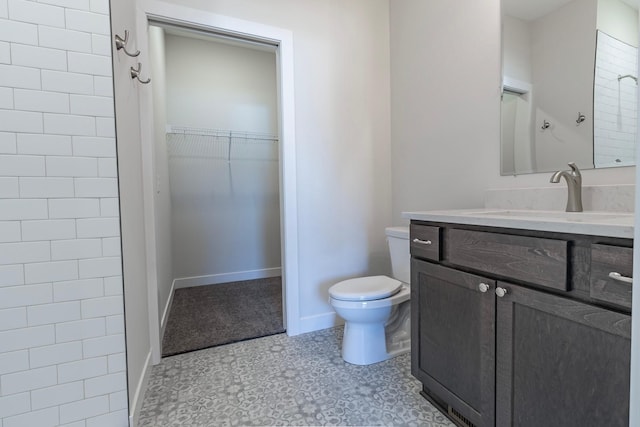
[{"x": 220, "y": 175}]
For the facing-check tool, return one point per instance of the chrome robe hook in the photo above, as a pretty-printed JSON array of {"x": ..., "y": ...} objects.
[
  {"x": 121, "y": 43},
  {"x": 135, "y": 74}
]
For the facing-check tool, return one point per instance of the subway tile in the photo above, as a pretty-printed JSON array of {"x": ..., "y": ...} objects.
[
  {"x": 5, "y": 53},
  {"x": 83, "y": 409},
  {"x": 50, "y": 229},
  {"x": 74, "y": 208},
  {"x": 37, "y": 13},
  {"x": 16, "y": 165},
  {"x": 115, "y": 324},
  {"x": 118, "y": 400},
  {"x": 57, "y": 395},
  {"x": 117, "y": 362},
  {"x": 88, "y": 22},
  {"x": 85, "y": 105},
  {"x": 113, "y": 285},
  {"x": 14, "y": 361},
  {"x": 6, "y": 98},
  {"x": 101, "y": 45},
  {"x": 19, "y": 296},
  {"x": 4, "y": 11},
  {"x": 82, "y": 369},
  {"x": 105, "y": 384},
  {"x": 20, "y": 121},
  {"x": 38, "y": 57},
  {"x": 110, "y": 207},
  {"x": 80, "y": 423},
  {"x": 22, "y": 209},
  {"x": 72, "y": 166},
  {"x": 41, "y": 418},
  {"x": 62, "y": 38},
  {"x": 7, "y": 143},
  {"x": 97, "y": 227},
  {"x": 106, "y": 127},
  {"x": 36, "y": 100},
  {"x": 96, "y": 187},
  {"x": 10, "y": 231},
  {"x": 85, "y": 63},
  {"x": 66, "y": 124},
  {"x": 118, "y": 418},
  {"x": 41, "y": 144},
  {"x": 28, "y": 380},
  {"x": 19, "y": 253},
  {"x": 70, "y": 4},
  {"x": 59, "y": 81},
  {"x": 45, "y": 314},
  {"x": 55, "y": 354},
  {"x": 19, "y": 77},
  {"x": 107, "y": 168},
  {"x": 103, "y": 346},
  {"x": 22, "y": 339},
  {"x": 77, "y": 249},
  {"x": 13, "y": 318},
  {"x": 111, "y": 246},
  {"x": 11, "y": 275},
  {"x": 80, "y": 330},
  {"x": 94, "y": 146},
  {"x": 9, "y": 188},
  {"x": 101, "y": 307},
  {"x": 18, "y": 32},
  {"x": 46, "y": 188},
  {"x": 103, "y": 86},
  {"x": 100, "y": 6},
  {"x": 14, "y": 404},
  {"x": 57, "y": 271},
  {"x": 78, "y": 289}
]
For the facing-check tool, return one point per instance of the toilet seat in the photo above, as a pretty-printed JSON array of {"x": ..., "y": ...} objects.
[{"x": 365, "y": 288}]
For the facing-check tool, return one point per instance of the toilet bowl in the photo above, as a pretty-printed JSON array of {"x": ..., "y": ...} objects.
[{"x": 376, "y": 308}]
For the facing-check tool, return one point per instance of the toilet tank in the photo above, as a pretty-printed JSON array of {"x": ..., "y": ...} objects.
[{"x": 398, "y": 239}]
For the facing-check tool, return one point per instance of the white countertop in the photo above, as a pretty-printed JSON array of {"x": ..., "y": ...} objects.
[{"x": 611, "y": 224}]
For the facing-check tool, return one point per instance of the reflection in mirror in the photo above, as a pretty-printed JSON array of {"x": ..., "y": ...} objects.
[{"x": 555, "y": 109}]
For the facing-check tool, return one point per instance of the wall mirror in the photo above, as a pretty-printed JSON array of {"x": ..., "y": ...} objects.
[{"x": 569, "y": 84}]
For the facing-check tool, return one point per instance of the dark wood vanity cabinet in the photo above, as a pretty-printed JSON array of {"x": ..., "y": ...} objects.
[{"x": 547, "y": 347}]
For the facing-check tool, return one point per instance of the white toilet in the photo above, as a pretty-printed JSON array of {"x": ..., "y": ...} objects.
[{"x": 376, "y": 308}]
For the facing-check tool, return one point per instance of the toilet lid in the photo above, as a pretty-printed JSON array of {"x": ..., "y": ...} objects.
[{"x": 365, "y": 288}]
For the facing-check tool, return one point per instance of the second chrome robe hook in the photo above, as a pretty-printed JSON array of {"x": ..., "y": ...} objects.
[
  {"x": 121, "y": 43},
  {"x": 135, "y": 74}
]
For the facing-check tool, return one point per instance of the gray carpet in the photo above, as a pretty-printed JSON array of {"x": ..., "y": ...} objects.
[{"x": 207, "y": 316}]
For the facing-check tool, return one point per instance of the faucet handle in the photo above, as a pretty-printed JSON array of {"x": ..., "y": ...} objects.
[{"x": 574, "y": 168}]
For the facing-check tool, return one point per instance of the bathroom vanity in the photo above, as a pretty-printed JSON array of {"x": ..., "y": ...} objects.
[{"x": 523, "y": 318}]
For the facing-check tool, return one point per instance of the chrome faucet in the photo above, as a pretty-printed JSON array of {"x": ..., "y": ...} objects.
[{"x": 574, "y": 185}]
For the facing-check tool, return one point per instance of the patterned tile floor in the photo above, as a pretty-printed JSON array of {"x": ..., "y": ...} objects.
[{"x": 281, "y": 380}]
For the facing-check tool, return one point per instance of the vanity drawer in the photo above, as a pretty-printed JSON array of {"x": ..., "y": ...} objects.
[
  {"x": 534, "y": 260},
  {"x": 606, "y": 259},
  {"x": 425, "y": 241}
]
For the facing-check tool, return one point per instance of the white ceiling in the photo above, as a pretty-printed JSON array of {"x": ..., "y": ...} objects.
[{"x": 530, "y": 10}]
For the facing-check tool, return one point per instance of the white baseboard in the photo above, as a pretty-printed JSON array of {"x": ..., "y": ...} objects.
[
  {"x": 319, "y": 321},
  {"x": 165, "y": 313},
  {"x": 138, "y": 397},
  {"x": 214, "y": 279}
]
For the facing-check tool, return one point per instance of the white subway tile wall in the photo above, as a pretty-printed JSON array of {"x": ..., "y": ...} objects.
[
  {"x": 62, "y": 346},
  {"x": 614, "y": 102}
]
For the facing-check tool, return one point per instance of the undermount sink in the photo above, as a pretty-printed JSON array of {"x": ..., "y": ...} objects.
[{"x": 555, "y": 215}]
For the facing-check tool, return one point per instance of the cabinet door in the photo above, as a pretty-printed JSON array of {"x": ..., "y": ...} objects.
[
  {"x": 453, "y": 340},
  {"x": 560, "y": 362}
]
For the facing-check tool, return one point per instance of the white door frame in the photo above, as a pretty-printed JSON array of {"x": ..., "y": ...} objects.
[{"x": 193, "y": 18}]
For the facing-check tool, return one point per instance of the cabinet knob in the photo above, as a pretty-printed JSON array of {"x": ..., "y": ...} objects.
[
  {"x": 483, "y": 287},
  {"x": 500, "y": 292},
  {"x": 422, "y": 242}
]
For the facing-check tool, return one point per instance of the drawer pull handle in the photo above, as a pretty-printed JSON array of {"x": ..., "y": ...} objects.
[
  {"x": 500, "y": 292},
  {"x": 620, "y": 278},
  {"x": 422, "y": 242},
  {"x": 483, "y": 287}
]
